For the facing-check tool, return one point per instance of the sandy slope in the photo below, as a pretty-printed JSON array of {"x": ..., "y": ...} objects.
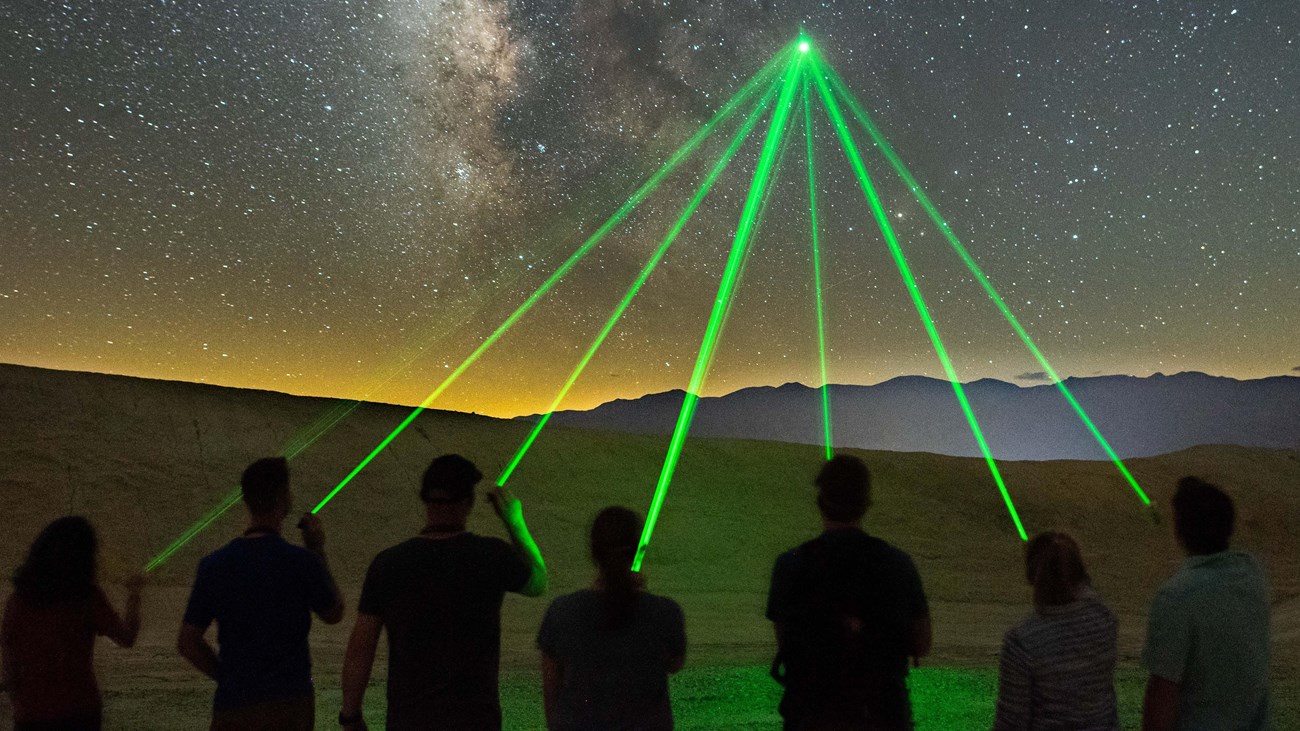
[{"x": 144, "y": 459}]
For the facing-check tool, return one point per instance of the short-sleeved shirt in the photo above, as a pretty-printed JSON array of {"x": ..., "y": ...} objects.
[
  {"x": 1057, "y": 670},
  {"x": 613, "y": 677},
  {"x": 1208, "y": 631},
  {"x": 261, "y": 593},
  {"x": 847, "y": 602},
  {"x": 52, "y": 650},
  {"x": 440, "y": 602}
]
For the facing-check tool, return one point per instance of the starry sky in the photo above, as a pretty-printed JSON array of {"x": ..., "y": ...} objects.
[{"x": 344, "y": 197}]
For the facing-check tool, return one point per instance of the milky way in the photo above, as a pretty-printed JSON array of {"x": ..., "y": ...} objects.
[{"x": 344, "y": 198}]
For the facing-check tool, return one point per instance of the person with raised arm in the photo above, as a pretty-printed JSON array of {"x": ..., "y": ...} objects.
[
  {"x": 438, "y": 596},
  {"x": 1057, "y": 667},
  {"x": 1207, "y": 645},
  {"x": 261, "y": 592},
  {"x": 607, "y": 651},
  {"x": 47, "y": 636}
]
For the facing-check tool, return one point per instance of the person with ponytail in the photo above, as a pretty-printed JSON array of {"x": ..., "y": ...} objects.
[
  {"x": 607, "y": 651},
  {"x": 49, "y": 629},
  {"x": 1057, "y": 667}
]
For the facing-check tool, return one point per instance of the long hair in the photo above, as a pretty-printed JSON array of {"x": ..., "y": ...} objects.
[
  {"x": 60, "y": 565},
  {"x": 614, "y": 537},
  {"x": 1054, "y": 566}
]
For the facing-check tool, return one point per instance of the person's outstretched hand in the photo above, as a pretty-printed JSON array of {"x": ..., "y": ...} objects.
[
  {"x": 508, "y": 507},
  {"x": 313, "y": 533}
]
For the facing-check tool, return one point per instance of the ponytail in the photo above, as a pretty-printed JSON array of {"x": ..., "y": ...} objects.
[
  {"x": 614, "y": 537},
  {"x": 1054, "y": 566}
]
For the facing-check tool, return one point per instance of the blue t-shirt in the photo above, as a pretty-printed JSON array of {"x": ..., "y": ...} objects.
[
  {"x": 613, "y": 677},
  {"x": 261, "y": 593}
]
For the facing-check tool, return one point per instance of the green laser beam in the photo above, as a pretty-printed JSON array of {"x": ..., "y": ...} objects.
[
  {"x": 726, "y": 291},
  {"x": 882, "y": 220},
  {"x": 741, "y": 135},
  {"x": 229, "y": 501},
  {"x": 817, "y": 266},
  {"x": 295, "y": 446},
  {"x": 641, "y": 194},
  {"x": 894, "y": 160},
  {"x": 759, "y": 218},
  {"x": 308, "y": 436}
]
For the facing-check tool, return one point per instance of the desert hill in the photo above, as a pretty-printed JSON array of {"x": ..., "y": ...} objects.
[
  {"x": 1141, "y": 417},
  {"x": 145, "y": 459}
]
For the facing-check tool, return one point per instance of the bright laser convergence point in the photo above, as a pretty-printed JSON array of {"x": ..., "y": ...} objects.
[
  {"x": 803, "y": 68},
  {"x": 726, "y": 290}
]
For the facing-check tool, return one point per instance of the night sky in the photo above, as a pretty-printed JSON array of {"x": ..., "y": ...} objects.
[{"x": 343, "y": 198}]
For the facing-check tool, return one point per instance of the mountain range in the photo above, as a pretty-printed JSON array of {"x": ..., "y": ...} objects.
[{"x": 1139, "y": 416}]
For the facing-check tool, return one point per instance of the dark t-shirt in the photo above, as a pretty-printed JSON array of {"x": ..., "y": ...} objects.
[
  {"x": 261, "y": 593},
  {"x": 51, "y": 648},
  {"x": 440, "y": 601},
  {"x": 847, "y": 602},
  {"x": 613, "y": 678}
]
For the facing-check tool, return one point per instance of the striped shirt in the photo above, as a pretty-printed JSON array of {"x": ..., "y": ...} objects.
[{"x": 1058, "y": 670}]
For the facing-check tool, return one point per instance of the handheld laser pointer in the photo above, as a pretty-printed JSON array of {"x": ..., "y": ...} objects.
[
  {"x": 899, "y": 167},
  {"x": 900, "y": 261},
  {"x": 741, "y": 135},
  {"x": 726, "y": 290}
]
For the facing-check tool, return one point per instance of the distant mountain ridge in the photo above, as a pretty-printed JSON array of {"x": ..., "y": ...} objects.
[{"x": 1139, "y": 416}]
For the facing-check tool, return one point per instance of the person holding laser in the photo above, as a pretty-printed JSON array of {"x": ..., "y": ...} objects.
[
  {"x": 1208, "y": 645},
  {"x": 849, "y": 612},
  {"x": 439, "y": 597},
  {"x": 607, "y": 651},
  {"x": 261, "y": 591},
  {"x": 47, "y": 636}
]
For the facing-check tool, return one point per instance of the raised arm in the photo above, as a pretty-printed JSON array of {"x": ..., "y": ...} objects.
[
  {"x": 123, "y": 631},
  {"x": 357, "y": 664},
  {"x": 511, "y": 512},
  {"x": 313, "y": 538}
]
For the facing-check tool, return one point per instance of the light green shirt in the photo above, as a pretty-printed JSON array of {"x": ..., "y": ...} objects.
[{"x": 1208, "y": 632}]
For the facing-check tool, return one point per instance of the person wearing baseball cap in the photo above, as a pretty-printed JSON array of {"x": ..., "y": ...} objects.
[{"x": 438, "y": 595}]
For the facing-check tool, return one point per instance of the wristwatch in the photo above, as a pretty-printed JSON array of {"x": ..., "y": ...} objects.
[{"x": 346, "y": 720}]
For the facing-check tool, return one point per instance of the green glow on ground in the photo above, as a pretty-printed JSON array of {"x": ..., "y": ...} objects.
[
  {"x": 704, "y": 698},
  {"x": 817, "y": 268},
  {"x": 726, "y": 291},
  {"x": 882, "y": 220},
  {"x": 644, "y": 275},
  {"x": 860, "y": 113},
  {"x": 682, "y": 153}
]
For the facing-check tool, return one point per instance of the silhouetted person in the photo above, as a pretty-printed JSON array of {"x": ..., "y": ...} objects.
[
  {"x": 1207, "y": 644},
  {"x": 1058, "y": 665},
  {"x": 607, "y": 651},
  {"x": 47, "y": 638},
  {"x": 849, "y": 611},
  {"x": 261, "y": 591},
  {"x": 439, "y": 597}
]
